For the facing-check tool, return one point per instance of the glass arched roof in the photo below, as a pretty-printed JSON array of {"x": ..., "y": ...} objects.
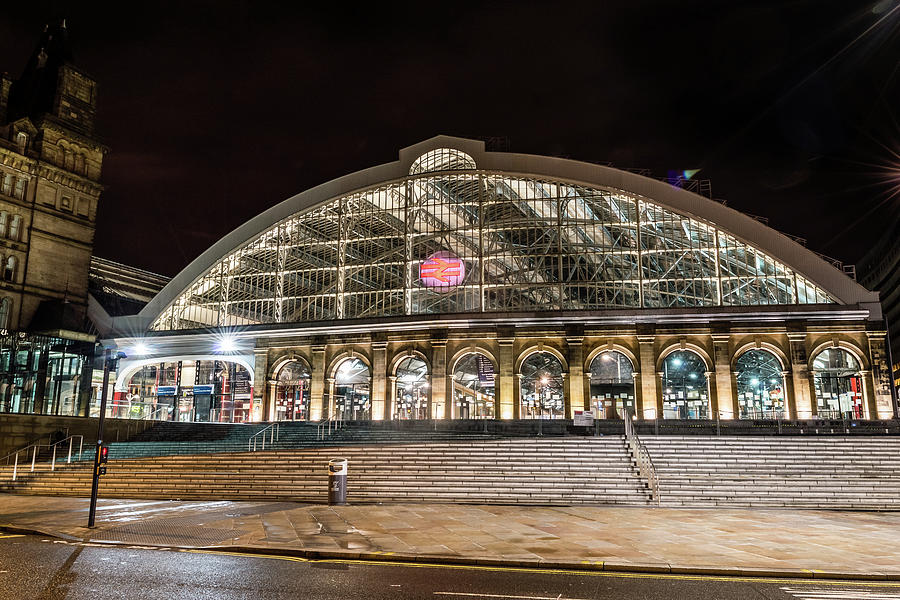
[{"x": 450, "y": 239}]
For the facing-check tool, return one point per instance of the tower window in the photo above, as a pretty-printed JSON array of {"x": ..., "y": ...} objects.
[
  {"x": 7, "y": 184},
  {"x": 19, "y": 191},
  {"x": 5, "y": 306},
  {"x": 9, "y": 269},
  {"x": 22, "y": 141},
  {"x": 4, "y": 220},
  {"x": 15, "y": 226}
]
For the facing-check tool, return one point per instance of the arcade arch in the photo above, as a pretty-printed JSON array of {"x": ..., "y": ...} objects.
[
  {"x": 411, "y": 389},
  {"x": 611, "y": 384},
  {"x": 291, "y": 393},
  {"x": 685, "y": 387},
  {"x": 541, "y": 386},
  {"x": 760, "y": 385},
  {"x": 473, "y": 386},
  {"x": 838, "y": 385},
  {"x": 350, "y": 398}
]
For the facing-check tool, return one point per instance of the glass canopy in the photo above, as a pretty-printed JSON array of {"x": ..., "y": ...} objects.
[{"x": 450, "y": 239}]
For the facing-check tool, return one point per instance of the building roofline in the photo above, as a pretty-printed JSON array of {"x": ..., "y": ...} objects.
[{"x": 777, "y": 245}]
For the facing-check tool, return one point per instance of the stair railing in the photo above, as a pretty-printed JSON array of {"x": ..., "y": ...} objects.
[
  {"x": 71, "y": 440},
  {"x": 272, "y": 432},
  {"x": 642, "y": 457},
  {"x": 324, "y": 428},
  {"x": 35, "y": 449}
]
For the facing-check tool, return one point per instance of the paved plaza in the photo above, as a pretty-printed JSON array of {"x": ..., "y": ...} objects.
[{"x": 802, "y": 543}]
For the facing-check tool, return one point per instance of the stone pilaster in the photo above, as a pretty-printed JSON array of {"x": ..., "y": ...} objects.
[
  {"x": 725, "y": 400},
  {"x": 804, "y": 404},
  {"x": 317, "y": 384},
  {"x": 575, "y": 397},
  {"x": 265, "y": 410},
  {"x": 441, "y": 395},
  {"x": 390, "y": 405},
  {"x": 507, "y": 404},
  {"x": 650, "y": 405},
  {"x": 379, "y": 380},
  {"x": 882, "y": 401}
]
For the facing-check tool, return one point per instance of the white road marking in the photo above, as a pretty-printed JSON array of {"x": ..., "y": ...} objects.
[
  {"x": 468, "y": 595},
  {"x": 837, "y": 594}
]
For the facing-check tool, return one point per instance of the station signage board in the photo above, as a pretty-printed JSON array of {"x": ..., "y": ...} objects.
[{"x": 442, "y": 271}]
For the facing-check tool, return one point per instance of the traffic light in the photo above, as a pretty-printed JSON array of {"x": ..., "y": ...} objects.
[{"x": 102, "y": 459}]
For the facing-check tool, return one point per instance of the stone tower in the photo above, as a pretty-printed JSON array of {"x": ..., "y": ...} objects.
[{"x": 50, "y": 162}]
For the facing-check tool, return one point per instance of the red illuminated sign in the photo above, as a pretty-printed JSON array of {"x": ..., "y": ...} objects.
[{"x": 442, "y": 270}]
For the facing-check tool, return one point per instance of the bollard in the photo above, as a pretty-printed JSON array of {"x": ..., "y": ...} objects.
[{"x": 337, "y": 481}]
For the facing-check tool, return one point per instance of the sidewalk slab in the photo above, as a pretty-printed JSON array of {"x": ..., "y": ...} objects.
[{"x": 728, "y": 542}]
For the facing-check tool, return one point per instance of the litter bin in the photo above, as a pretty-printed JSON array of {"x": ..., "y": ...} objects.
[{"x": 337, "y": 481}]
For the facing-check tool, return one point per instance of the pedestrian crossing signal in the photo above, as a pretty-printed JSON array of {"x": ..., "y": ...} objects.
[{"x": 104, "y": 454}]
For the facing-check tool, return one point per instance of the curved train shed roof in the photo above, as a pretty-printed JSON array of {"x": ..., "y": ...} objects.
[{"x": 523, "y": 232}]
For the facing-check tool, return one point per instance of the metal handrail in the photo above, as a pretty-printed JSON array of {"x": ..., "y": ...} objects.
[
  {"x": 328, "y": 425},
  {"x": 69, "y": 439},
  {"x": 642, "y": 457},
  {"x": 36, "y": 448},
  {"x": 274, "y": 433}
]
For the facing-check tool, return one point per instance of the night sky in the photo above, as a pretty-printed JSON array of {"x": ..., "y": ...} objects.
[{"x": 215, "y": 111}]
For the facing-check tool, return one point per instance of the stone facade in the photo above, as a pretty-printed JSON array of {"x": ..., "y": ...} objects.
[{"x": 794, "y": 343}]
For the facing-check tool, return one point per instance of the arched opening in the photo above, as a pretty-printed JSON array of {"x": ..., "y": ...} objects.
[
  {"x": 760, "y": 385},
  {"x": 195, "y": 390},
  {"x": 292, "y": 392},
  {"x": 352, "y": 383},
  {"x": 9, "y": 269},
  {"x": 685, "y": 387},
  {"x": 411, "y": 389},
  {"x": 838, "y": 385},
  {"x": 612, "y": 385},
  {"x": 541, "y": 394},
  {"x": 473, "y": 387}
]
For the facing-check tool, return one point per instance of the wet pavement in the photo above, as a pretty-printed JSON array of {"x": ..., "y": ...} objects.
[
  {"x": 35, "y": 567},
  {"x": 678, "y": 540}
]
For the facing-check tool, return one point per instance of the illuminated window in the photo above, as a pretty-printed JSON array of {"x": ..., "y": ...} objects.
[
  {"x": 612, "y": 385},
  {"x": 541, "y": 394},
  {"x": 684, "y": 386},
  {"x": 760, "y": 385},
  {"x": 838, "y": 385}
]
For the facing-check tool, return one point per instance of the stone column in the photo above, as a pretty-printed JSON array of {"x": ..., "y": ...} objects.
[
  {"x": 507, "y": 402},
  {"x": 379, "y": 379},
  {"x": 724, "y": 401},
  {"x": 441, "y": 395},
  {"x": 713, "y": 402},
  {"x": 790, "y": 410},
  {"x": 391, "y": 400},
  {"x": 651, "y": 398},
  {"x": 868, "y": 396},
  {"x": 260, "y": 378},
  {"x": 575, "y": 398},
  {"x": 803, "y": 405},
  {"x": 882, "y": 401},
  {"x": 330, "y": 406},
  {"x": 317, "y": 385}
]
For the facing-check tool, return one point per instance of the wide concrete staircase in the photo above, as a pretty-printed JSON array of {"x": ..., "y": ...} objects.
[
  {"x": 570, "y": 470},
  {"x": 836, "y": 472}
]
